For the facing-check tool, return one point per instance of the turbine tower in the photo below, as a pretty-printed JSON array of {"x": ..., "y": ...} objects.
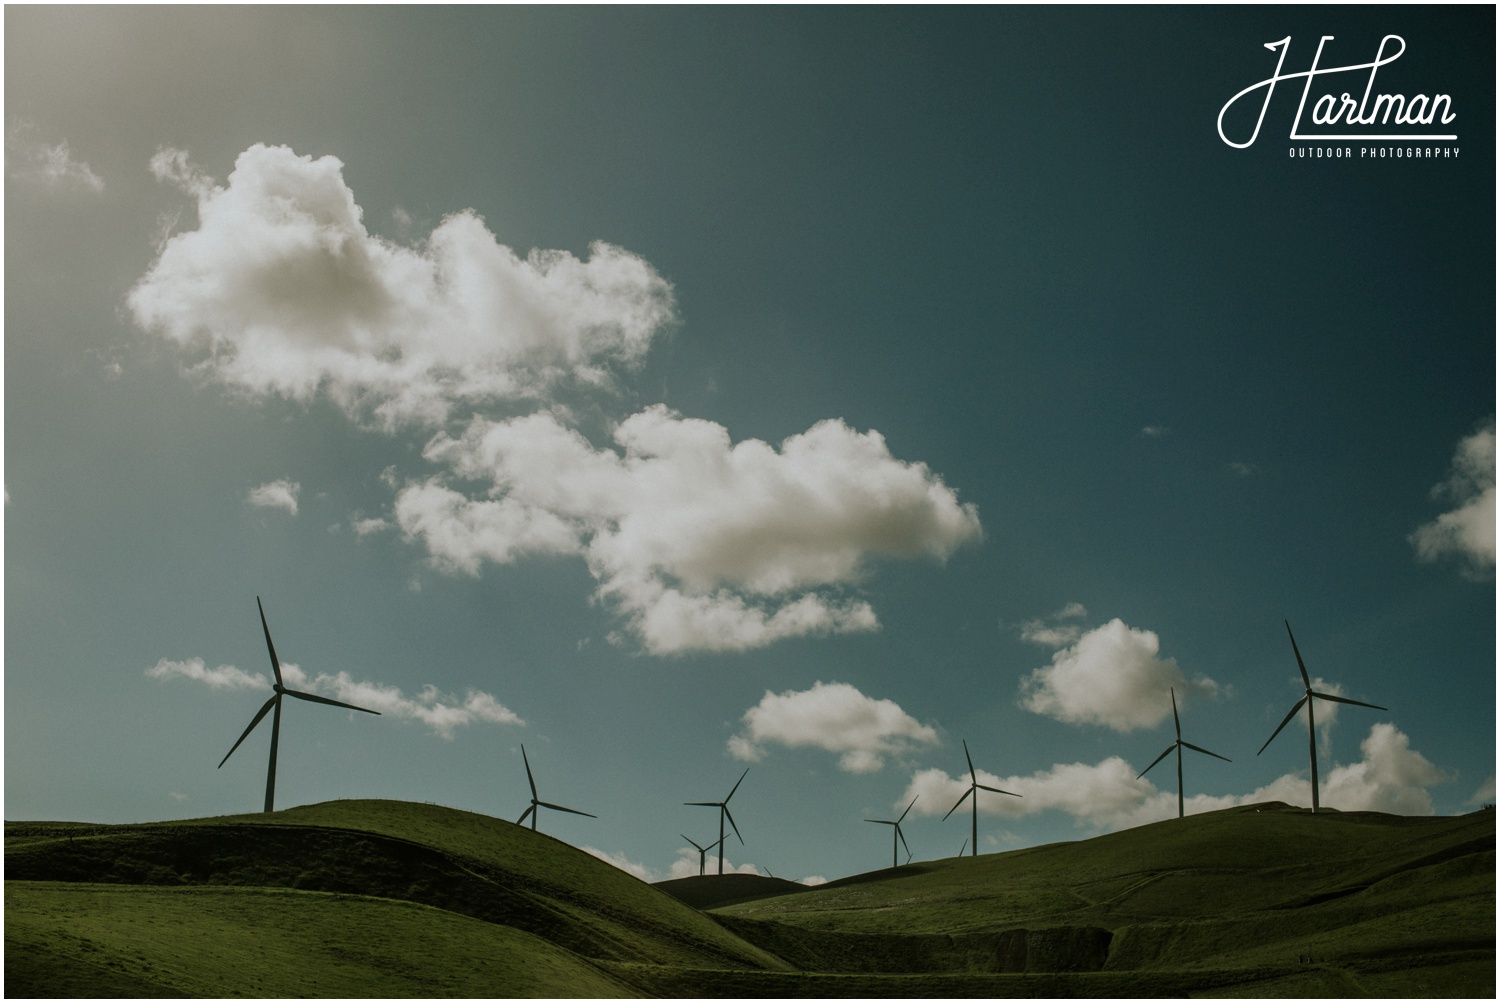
[
  {"x": 895, "y": 860},
  {"x": 723, "y": 807},
  {"x": 974, "y": 788},
  {"x": 703, "y": 854},
  {"x": 274, "y": 704},
  {"x": 535, "y": 804},
  {"x": 1307, "y": 698},
  {"x": 1178, "y": 745}
]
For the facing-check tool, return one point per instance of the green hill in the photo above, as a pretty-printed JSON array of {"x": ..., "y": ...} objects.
[{"x": 381, "y": 898}]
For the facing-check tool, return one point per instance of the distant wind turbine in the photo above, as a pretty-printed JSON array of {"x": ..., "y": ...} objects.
[
  {"x": 974, "y": 788},
  {"x": 274, "y": 704},
  {"x": 1178, "y": 745},
  {"x": 723, "y": 807},
  {"x": 703, "y": 854},
  {"x": 1307, "y": 698},
  {"x": 895, "y": 860},
  {"x": 535, "y": 804}
]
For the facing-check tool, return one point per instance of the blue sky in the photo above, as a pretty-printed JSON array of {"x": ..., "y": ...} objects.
[{"x": 681, "y": 390}]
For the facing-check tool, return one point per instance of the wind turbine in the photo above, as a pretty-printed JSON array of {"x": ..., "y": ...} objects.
[
  {"x": 535, "y": 804},
  {"x": 974, "y": 788},
  {"x": 895, "y": 860},
  {"x": 275, "y": 704},
  {"x": 723, "y": 807},
  {"x": 1307, "y": 698},
  {"x": 1178, "y": 745},
  {"x": 703, "y": 854}
]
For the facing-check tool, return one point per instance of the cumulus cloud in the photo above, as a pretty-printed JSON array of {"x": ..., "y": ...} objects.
[
  {"x": 50, "y": 165},
  {"x": 1390, "y": 777},
  {"x": 698, "y": 543},
  {"x": 280, "y": 494},
  {"x": 834, "y": 716},
  {"x": 284, "y": 292},
  {"x": 439, "y": 711},
  {"x": 701, "y": 543},
  {"x": 1467, "y": 532},
  {"x": 225, "y": 677},
  {"x": 1485, "y": 794},
  {"x": 368, "y": 527},
  {"x": 1111, "y": 676}
]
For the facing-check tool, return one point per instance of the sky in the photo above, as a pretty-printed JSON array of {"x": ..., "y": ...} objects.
[{"x": 687, "y": 391}]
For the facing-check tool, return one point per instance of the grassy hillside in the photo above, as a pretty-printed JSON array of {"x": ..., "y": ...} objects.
[{"x": 379, "y": 898}]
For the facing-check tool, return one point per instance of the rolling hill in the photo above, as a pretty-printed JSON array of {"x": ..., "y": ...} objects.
[{"x": 382, "y": 898}]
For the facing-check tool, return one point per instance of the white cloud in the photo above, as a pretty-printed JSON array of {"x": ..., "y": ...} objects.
[
  {"x": 1468, "y": 531},
  {"x": 225, "y": 677},
  {"x": 832, "y": 716},
  {"x": 702, "y": 544},
  {"x": 1485, "y": 794},
  {"x": 626, "y": 864},
  {"x": 1053, "y": 631},
  {"x": 686, "y": 865},
  {"x": 1113, "y": 677},
  {"x": 1390, "y": 777},
  {"x": 367, "y": 527},
  {"x": 283, "y": 291},
  {"x": 813, "y": 880},
  {"x": 698, "y": 543},
  {"x": 51, "y": 165},
  {"x": 440, "y": 712},
  {"x": 1154, "y": 431},
  {"x": 280, "y": 494}
]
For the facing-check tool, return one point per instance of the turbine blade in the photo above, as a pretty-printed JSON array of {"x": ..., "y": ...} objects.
[
  {"x": 1306, "y": 683},
  {"x": 904, "y": 842},
  {"x": 1199, "y": 748},
  {"x": 736, "y": 785},
  {"x": 972, "y": 777},
  {"x": 879, "y": 821},
  {"x": 997, "y": 790},
  {"x": 1177, "y": 724},
  {"x": 959, "y": 802},
  {"x": 264, "y": 710},
  {"x": 1290, "y": 714},
  {"x": 908, "y": 808},
  {"x": 1156, "y": 760},
  {"x": 524, "y": 814},
  {"x": 529, "y": 778},
  {"x": 335, "y": 703},
  {"x": 725, "y": 809},
  {"x": 275, "y": 662},
  {"x": 558, "y": 807},
  {"x": 715, "y": 843},
  {"x": 704, "y": 804},
  {"x": 695, "y": 845},
  {"x": 1357, "y": 703}
]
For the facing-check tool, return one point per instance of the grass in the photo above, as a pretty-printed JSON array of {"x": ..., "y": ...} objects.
[{"x": 380, "y": 898}]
